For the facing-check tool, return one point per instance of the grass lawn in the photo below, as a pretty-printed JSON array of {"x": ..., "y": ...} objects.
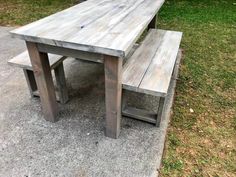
[
  {"x": 202, "y": 135},
  {"x": 203, "y": 142},
  {"x": 21, "y": 12}
]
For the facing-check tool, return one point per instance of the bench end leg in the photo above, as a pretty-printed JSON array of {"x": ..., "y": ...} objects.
[
  {"x": 30, "y": 79},
  {"x": 61, "y": 83},
  {"x": 160, "y": 110}
]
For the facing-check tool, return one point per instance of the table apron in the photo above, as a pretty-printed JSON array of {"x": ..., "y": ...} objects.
[{"x": 71, "y": 52}]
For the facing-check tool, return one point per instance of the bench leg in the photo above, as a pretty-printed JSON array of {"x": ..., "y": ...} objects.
[
  {"x": 152, "y": 24},
  {"x": 30, "y": 79},
  {"x": 124, "y": 101},
  {"x": 160, "y": 110},
  {"x": 113, "y": 85},
  {"x": 61, "y": 83},
  {"x": 43, "y": 77}
]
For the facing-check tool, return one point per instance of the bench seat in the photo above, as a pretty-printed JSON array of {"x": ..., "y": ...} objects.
[
  {"x": 56, "y": 63},
  {"x": 23, "y": 61},
  {"x": 149, "y": 69}
]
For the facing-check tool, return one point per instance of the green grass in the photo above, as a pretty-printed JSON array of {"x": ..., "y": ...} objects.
[
  {"x": 20, "y": 12},
  {"x": 202, "y": 143}
]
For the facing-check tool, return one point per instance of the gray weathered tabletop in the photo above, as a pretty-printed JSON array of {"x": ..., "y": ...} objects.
[{"x": 108, "y": 27}]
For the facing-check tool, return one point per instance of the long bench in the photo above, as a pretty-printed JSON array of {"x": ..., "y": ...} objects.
[
  {"x": 149, "y": 70},
  {"x": 56, "y": 63}
]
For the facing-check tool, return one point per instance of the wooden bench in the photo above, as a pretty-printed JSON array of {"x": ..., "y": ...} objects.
[
  {"x": 56, "y": 64},
  {"x": 149, "y": 70}
]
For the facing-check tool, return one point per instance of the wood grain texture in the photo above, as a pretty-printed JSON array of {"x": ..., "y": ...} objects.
[
  {"x": 136, "y": 66},
  {"x": 158, "y": 74},
  {"x": 150, "y": 68},
  {"x": 71, "y": 53},
  {"x": 113, "y": 89},
  {"x": 43, "y": 77},
  {"x": 23, "y": 60},
  {"x": 140, "y": 114},
  {"x": 108, "y": 27},
  {"x": 61, "y": 83},
  {"x": 148, "y": 116},
  {"x": 161, "y": 106},
  {"x": 30, "y": 79}
]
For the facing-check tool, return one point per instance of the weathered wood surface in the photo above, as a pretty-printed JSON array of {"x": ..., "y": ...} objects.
[
  {"x": 140, "y": 114},
  {"x": 150, "y": 68},
  {"x": 30, "y": 79},
  {"x": 61, "y": 83},
  {"x": 136, "y": 66},
  {"x": 108, "y": 27},
  {"x": 43, "y": 77},
  {"x": 113, "y": 89},
  {"x": 56, "y": 63},
  {"x": 71, "y": 53},
  {"x": 23, "y": 61},
  {"x": 160, "y": 110},
  {"x": 149, "y": 116}
]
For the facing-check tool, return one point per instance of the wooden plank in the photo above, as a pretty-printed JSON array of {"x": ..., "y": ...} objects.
[
  {"x": 113, "y": 85},
  {"x": 137, "y": 65},
  {"x": 71, "y": 53},
  {"x": 158, "y": 75},
  {"x": 161, "y": 106},
  {"x": 152, "y": 117},
  {"x": 30, "y": 79},
  {"x": 36, "y": 94},
  {"x": 140, "y": 114},
  {"x": 109, "y": 27},
  {"x": 23, "y": 60},
  {"x": 80, "y": 55},
  {"x": 61, "y": 83},
  {"x": 43, "y": 77}
]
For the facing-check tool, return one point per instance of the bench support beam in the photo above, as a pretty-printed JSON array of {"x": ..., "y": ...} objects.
[
  {"x": 43, "y": 77},
  {"x": 30, "y": 79},
  {"x": 61, "y": 83},
  {"x": 113, "y": 88},
  {"x": 139, "y": 114},
  {"x": 160, "y": 110}
]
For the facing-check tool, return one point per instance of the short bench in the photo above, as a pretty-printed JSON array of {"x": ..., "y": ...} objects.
[
  {"x": 56, "y": 64},
  {"x": 149, "y": 70}
]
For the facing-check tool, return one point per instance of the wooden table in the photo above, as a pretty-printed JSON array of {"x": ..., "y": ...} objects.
[{"x": 101, "y": 28}]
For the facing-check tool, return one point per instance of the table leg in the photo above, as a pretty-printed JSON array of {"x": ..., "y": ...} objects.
[
  {"x": 44, "y": 81},
  {"x": 113, "y": 85}
]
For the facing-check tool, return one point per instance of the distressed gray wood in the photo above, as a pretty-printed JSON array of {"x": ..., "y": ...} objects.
[
  {"x": 113, "y": 89},
  {"x": 81, "y": 55},
  {"x": 36, "y": 94},
  {"x": 150, "y": 68},
  {"x": 30, "y": 79},
  {"x": 108, "y": 27},
  {"x": 71, "y": 53},
  {"x": 23, "y": 60},
  {"x": 160, "y": 110},
  {"x": 140, "y": 114},
  {"x": 136, "y": 66},
  {"x": 148, "y": 116},
  {"x": 61, "y": 83},
  {"x": 56, "y": 62},
  {"x": 158, "y": 74},
  {"x": 43, "y": 77}
]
